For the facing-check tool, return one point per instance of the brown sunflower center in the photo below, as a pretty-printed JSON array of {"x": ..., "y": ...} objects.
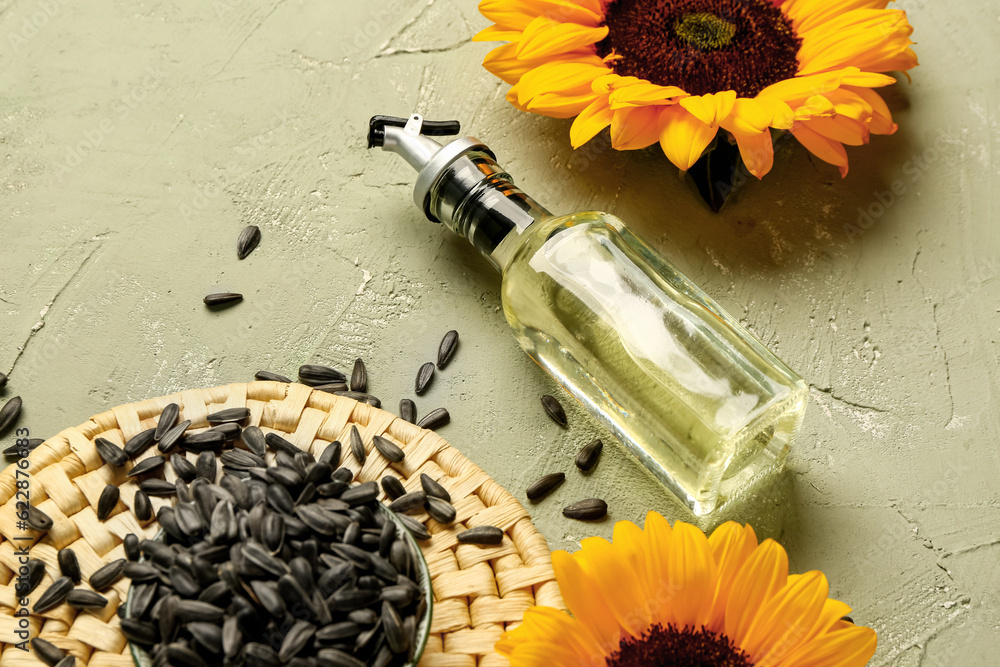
[
  {"x": 670, "y": 647},
  {"x": 702, "y": 46}
]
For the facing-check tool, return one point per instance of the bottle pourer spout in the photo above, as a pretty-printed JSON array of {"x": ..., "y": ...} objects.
[{"x": 410, "y": 139}]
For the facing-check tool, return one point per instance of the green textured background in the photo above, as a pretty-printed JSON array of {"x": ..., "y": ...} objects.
[{"x": 138, "y": 138}]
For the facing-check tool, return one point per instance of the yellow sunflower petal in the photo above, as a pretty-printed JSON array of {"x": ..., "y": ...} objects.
[
  {"x": 559, "y": 106},
  {"x": 624, "y": 593},
  {"x": 804, "y": 87},
  {"x": 806, "y": 14},
  {"x": 847, "y": 645},
  {"x": 503, "y": 62},
  {"x": 881, "y": 119},
  {"x": 692, "y": 575},
  {"x": 815, "y": 107},
  {"x": 542, "y": 654},
  {"x": 584, "y": 599},
  {"x": 517, "y": 14},
  {"x": 559, "y": 78},
  {"x": 630, "y": 541},
  {"x": 683, "y": 137},
  {"x": 635, "y": 127},
  {"x": 840, "y": 128},
  {"x": 731, "y": 545},
  {"x": 870, "y": 39},
  {"x": 763, "y": 574},
  {"x": 757, "y": 151},
  {"x": 785, "y": 620},
  {"x": 496, "y": 34},
  {"x": 833, "y": 611},
  {"x": 658, "y": 534},
  {"x": 541, "y": 624},
  {"x": 825, "y": 149},
  {"x": 546, "y": 37},
  {"x": 642, "y": 93},
  {"x": 749, "y": 116},
  {"x": 712, "y": 108},
  {"x": 589, "y": 122}
]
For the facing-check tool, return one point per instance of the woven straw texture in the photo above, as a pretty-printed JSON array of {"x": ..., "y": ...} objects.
[{"x": 478, "y": 591}]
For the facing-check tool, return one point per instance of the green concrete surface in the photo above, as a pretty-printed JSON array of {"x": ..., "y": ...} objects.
[{"x": 138, "y": 138}]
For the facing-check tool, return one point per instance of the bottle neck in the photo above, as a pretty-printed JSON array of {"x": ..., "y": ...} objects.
[{"x": 477, "y": 199}]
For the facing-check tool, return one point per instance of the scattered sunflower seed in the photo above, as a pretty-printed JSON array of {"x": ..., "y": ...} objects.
[
  {"x": 81, "y": 598},
  {"x": 359, "y": 376},
  {"x": 36, "y": 572},
  {"x": 554, "y": 409},
  {"x": 254, "y": 439},
  {"x": 168, "y": 419},
  {"x": 315, "y": 374},
  {"x": 229, "y": 415},
  {"x": 544, "y": 485},
  {"x": 206, "y": 466},
  {"x": 172, "y": 436},
  {"x": 131, "y": 546},
  {"x": 332, "y": 388},
  {"x": 54, "y": 595},
  {"x": 38, "y": 520},
  {"x": 268, "y": 376},
  {"x": 388, "y": 449},
  {"x": 9, "y": 413},
  {"x": 424, "y": 377},
  {"x": 433, "y": 488},
  {"x": 247, "y": 241},
  {"x": 110, "y": 452},
  {"x": 447, "y": 348},
  {"x": 587, "y": 458},
  {"x": 435, "y": 419},
  {"x": 408, "y": 502},
  {"x": 147, "y": 465},
  {"x": 357, "y": 446},
  {"x": 590, "y": 509},
  {"x": 279, "y": 444},
  {"x": 140, "y": 443},
  {"x": 157, "y": 487},
  {"x": 142, "y": 507},
  {"x": 440, "y": 510},
  {"x": 361, "y": 397},
  {"x": 393, "y": 487},
  {"x": 69, "y": 566},
  {"x": 107, "y": 502},
  {"x": 408, "y": 410},
  {"x": 22, "y": 450},
  {"x": 49, "y": 653},
  {"x": 222, "y": 299},
  {"x": 481, "y": 535},
  {"x": 183, "y": 468}
]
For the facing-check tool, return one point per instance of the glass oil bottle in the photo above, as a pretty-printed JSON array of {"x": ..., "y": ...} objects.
[{"x": 689, "y": 391}]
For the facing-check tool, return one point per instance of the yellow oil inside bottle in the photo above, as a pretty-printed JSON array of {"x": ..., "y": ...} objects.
[{"x": 692, "y": 394}]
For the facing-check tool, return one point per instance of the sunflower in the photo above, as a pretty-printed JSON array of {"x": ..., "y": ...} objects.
[
  {"x": 673, "y": 597},
  {"x": 676, "y": 71}
]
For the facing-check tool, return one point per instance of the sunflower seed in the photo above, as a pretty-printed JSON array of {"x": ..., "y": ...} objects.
[
  {"x": 424, "y": 377},
  {"x": 38, "y": 520},
  {"x": 139, "y": 632},
  {"x": 172, "y": 436},
  {"x": 206, "y": 440},
  {"x": 260, "y": 655},
  {"x": 268, "y": 376},
  {"x": 188, "y": 520},
  {"x": 140, "y": 571},
  {"x": 408, "y": 410},
  {"x": 359, "y": 376},
  {"x": 590, "y": 509},
  {"x": 255, "y": 441},
  {"x": 49, "y": 653},
  {"x": 142, "y": 507},
  {"x": 146, "y": 465},
  {"x": 342, "y": 474},
  {"x": 357, "y": 446},
  {"x": 418, "y": 529},
  {"x": 181, "y": 654},
  {"x": 361, "y": 397},
  {"x": 54, "y": 595},
  {"x": 36, "y": 572},
  {"x": 230, "y": 431},
  {"x": 237, "y": 458},
  {"x": 195, "y": 611},
  {"x": 182, "y": 467},
  {"x": 81, "y": 598},
  {"x": 166, "y": 617},
  {"x": 108, "y": 501},
  {"x": 110, "y": 452},
  {"x": 22, "y": 450},
  {"x": 554, "y": 409},
  {"x": 222, "y": 299},
  {"x": 587, "y": 458},
  {"x": 433, "y": 488},
  {"x": 69, "y": 566},
  {"x": 408, "y": 502},
  {"x": 9, "y": 413},
  {"x": 131, "y": 546},
  {"x": 392, "y": 624},
  {"x": 393, "y": 487},
  {"x": 157, "y": 487},
  {"x": 168, "y": 419},
  {"x": 207, "y": 635},
  {"x": 232, "y": 638},
  {"x": 331, "y": 657},
  {"x": 229, "y": 415},
  {"x": 183, "y": 582},
  {"x": 447, "y": 348},
  {"x": 314, "y": 374},
  {"x": 331, "y": 455},
  {"x": 295, "y": 640},
  {"x": 388, "y": 449},
  {"x": 481, "y": 535},
  {"x": 247, "y": 241},
  {"x": 279, "y": 444},
  {"x": 267, "y": 594},
  {"x": 280, "y": 499},
  {"x": 440, "y": 510},
  {"x": 332, "y": 387},
  {"x": 544, "y": 485},
  {"x": 362, "y": 493},
  {"x": 337, "y": 631},
  {"x": 435, "y": 419},
  {"x": 206, "y": 467}
]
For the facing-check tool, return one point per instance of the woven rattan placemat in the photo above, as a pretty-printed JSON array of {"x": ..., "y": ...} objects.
[{"x": 478, "y": 591}]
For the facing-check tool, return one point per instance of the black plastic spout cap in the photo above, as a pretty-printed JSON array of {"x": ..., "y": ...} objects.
[{"x": 429, "y": 128}]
